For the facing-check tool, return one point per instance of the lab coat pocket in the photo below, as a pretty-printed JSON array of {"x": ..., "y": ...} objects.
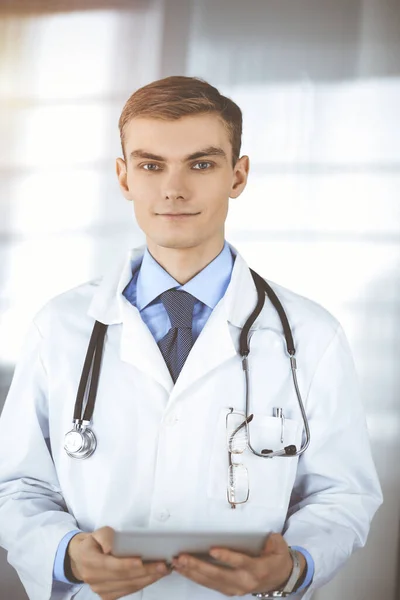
[{"x": 270, "y": 480}]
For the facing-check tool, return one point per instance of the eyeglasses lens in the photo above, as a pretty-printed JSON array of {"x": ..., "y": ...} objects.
[
  {"x": 238, "y": 483},
  {"x": 236, "y": 432}
]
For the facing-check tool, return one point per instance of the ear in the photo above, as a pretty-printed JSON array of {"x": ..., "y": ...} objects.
[
  {"x": 120, "y": 167},
  {"x": 240, "y": 174}
]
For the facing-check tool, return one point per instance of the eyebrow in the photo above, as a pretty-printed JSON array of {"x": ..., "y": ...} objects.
[{"x": 210, "y": 151}]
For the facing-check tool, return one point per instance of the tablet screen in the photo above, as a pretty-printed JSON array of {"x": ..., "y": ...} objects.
[{"x": 153, "y": 545}]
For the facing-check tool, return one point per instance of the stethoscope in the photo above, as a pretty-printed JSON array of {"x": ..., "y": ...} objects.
[{"x": 81, "y": 442}]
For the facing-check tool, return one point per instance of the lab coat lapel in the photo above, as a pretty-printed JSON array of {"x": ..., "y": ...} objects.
[
  {"x": 215, "y": 344},
  {"x": 137, "y": 345},
  {"x": 139, "y": 348}
]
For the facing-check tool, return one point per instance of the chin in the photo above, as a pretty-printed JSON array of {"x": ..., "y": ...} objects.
[{"x": 174, "y": 242}]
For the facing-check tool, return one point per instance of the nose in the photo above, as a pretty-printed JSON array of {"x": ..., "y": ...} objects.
[{"x": 174, "y": 185}]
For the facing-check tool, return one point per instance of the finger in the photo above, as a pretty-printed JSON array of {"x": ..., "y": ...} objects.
[
  {"x": 104, "y": 537},
  {"x": 222, "y": 579},
  {"x": 94, "y": 549},
  {"x": 111, "y": 568},
  {"x": 237, "y": 560},
  {"x": 106, "y": 566},
  {"x": 252, "y": 568},
  {"x": 126, "y": 586},
  {"x": 205, "y": 581}
]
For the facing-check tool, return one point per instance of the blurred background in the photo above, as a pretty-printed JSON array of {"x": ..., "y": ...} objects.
[{"x": 318, "y": 82}]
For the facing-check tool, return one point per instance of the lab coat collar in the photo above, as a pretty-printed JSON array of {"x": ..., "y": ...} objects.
[
  {"x": 138, "y": 346},
  {"x": 239, "y": 300},
  {"x": 107, "y": 303},
  {"x": 241, "y": 296}
]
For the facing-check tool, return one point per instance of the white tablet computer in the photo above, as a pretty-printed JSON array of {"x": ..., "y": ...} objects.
[{"x": 153, "y": 545}]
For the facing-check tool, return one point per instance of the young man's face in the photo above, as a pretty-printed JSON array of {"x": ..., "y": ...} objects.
[{"x": 180, "y": 202}]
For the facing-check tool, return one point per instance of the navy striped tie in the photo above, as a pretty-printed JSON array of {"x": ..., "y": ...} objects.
[{"x": 177, "y": 343}]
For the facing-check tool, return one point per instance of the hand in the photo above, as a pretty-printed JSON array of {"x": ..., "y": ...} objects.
[
  {"x": 264, "y": 573},
  {"x": 110, "y": 577}
]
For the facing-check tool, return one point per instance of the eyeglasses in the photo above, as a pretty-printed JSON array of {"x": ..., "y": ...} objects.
[{"x": 237, "y": 439}]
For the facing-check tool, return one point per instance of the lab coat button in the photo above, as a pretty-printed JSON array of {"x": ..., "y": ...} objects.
[
  {"x": 170, "y": 419},
  {"x": 164, "y": 515}
]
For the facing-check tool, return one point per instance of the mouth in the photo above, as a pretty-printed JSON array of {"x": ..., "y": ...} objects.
[{"x": 177, "y": 215}]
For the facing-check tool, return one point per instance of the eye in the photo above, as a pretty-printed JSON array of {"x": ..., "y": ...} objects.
[
  {"x": 149, "y": 165},
  {"x": 203, "y": 163}
]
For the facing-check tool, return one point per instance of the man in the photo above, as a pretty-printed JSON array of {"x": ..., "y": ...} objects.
[{"x": 171, "y": 373}]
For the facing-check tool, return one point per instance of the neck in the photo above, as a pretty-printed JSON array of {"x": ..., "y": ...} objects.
[{"x": 185, "y": 263}]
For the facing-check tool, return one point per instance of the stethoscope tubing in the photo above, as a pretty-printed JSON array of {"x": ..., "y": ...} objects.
[
  {"x": 92, "y": 372},
  {"x": 283, "y": 452},
  {"x": 264, "y": 288},
  {"x": 92, "y": 364}
]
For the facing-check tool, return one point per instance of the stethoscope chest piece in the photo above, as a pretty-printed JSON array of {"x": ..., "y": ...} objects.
[{"x": 80, "y": 442}]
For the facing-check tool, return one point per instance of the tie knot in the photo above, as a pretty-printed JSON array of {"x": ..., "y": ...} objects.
[{"x": 179, "y": 306}]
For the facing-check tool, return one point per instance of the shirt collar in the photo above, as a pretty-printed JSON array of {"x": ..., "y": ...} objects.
[{"x": 208, "y": 286}]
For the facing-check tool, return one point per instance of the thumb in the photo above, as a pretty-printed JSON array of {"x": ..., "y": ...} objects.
[
  {"x": 104, "y": 537},
  {"x": 275, "y": 544}
]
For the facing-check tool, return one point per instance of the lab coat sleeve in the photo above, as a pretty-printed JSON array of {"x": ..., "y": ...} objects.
[
  {"x": 336, "y": 491},
  {"x": 33, "y": 514}
]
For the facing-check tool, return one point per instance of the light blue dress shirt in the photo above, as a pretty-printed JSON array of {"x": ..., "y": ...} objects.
[{"x": 149, "y": 280}]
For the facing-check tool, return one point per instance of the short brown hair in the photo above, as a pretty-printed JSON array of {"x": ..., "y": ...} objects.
[{"x": 178, "y": 96}]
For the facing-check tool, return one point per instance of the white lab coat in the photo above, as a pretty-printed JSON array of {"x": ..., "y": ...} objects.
[{"x": 161, "y": 459}]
